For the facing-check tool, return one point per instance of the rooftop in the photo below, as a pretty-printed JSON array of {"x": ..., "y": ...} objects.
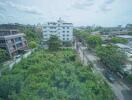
[
  {"x": 122, "y": 46},
  {"x": 13, "y": 35},
  {"x": 125, "y": 36},
  {"x": 6, "y": 32},
  {"x": 56, "y": 23}
]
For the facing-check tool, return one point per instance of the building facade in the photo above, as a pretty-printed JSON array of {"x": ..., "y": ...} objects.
[
  {"x": 60, "y": 28},
  {"x": 13, "y": 41},
  {"x": 129, "y": 26}
]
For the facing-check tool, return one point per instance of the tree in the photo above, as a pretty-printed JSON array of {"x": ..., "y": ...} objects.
[
  {"x": 111, "y": 57},
  {"x": 118, "y": 40},
  {"x": 129, "y": 78},
  {"x": 67, "y": 43},
  {"x": 31, "y": 34},
  {"x": 94, "y": 40},
  {"x": 53, "y": 76},
  {"x": 54, "y": 43},
  {"x": 3, "y": 55},
  {"x": 32, "y": 44}
]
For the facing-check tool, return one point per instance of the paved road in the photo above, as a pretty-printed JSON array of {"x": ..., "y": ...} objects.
[{"x": 120, "y": 89}]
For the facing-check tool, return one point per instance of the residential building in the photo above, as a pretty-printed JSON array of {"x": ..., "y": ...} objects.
[
  {"x": 60, "y": 28},
  {"x": 13, "y": 41},
  {"x": 129, "y": 26}
]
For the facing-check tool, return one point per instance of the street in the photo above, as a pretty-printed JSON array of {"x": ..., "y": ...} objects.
[{"x": 120, "y": 89}]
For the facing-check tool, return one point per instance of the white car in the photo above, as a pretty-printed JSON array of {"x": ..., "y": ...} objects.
[{"x": 17, "y": 56}]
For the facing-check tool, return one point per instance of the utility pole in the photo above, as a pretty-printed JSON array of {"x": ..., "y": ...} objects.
[{"x": 83, "y": 56}]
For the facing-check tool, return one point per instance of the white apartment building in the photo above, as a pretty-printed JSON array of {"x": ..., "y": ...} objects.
[{"x": 60, "y": 28}]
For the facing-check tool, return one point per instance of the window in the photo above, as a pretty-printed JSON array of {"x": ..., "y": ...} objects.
[
  {"x": 67, "y": 31},
  {"x": 52, "y": 27},
  {"x": 2, "y": 41},
  {"x": 67, "y": 38},
  {"x": 63, "y": 31},
  {"x": 14, "y": 32},
  {"x": 63, "y": 35},
  {"x": 14, "y": 47},
  {"x": 67, "y": 34},
  {"x": 19, "y": 45},
  {"x": 67, "y": 27},
  {"x": 18, "y": 39},
  {"x": 63, "y": 38},
  {"x": 54, "y": 23},
  {"x": 12, "y": 40}
]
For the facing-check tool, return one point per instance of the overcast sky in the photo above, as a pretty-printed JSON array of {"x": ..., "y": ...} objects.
[{"x": 79, "y": 12}]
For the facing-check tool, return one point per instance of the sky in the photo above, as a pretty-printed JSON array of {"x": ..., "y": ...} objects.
[{"x": 79, "y": 12}]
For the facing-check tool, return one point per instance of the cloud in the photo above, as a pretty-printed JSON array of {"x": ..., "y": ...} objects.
[
  {"x": 2, "y": 7},
  {"x": 83, "y": 4},
  {"x": 23, "y": 8},
  {"x": 105, "y": 9},
  {"x": 1, "y": 16},
  {"x": 106, "y": 6},
  {"x": 109, "y": 1}
]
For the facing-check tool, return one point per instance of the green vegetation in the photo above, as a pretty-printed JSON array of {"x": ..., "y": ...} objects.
[
  {"x": 67, "y": 44},
  {"x": 81, "y": 35},
  {"x": 129, "y": 78},
  {"x": 54, "y": 43},
  {"x": 53, "y": 76},
  {"x": 118, "y": 40},
  {"x": 111, "y": 56},
  {"x": 94, "y": 40},
  {"x": 3, "y": 55},
  {"x": 91, "y": 40},
  {"x": 32, "y": 44},
  {"x": 31, "y": 34}
]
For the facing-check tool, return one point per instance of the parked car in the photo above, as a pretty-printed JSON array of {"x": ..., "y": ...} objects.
[
  {"x": 110, "y": 77},
  {"x": 17, "y": 56}
]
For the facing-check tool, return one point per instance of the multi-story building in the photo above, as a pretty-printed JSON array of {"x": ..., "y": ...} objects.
[
  {"x": 13, "y": 41},
  {"x": 129, "y": 26},
  {"x": 60, "y": 28}
]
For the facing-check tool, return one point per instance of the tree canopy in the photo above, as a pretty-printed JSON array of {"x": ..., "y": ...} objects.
[
  {"x": 3, "y": 55},
  {"x": 94, "y": 40},
  {"x": 54, "y": 43},
  {"x": 31, "y": 35},
  {"x": 53, "y": 76},
  {"x": 86, "y": 38},
  {"x": 32, "y": 44},
  {"x": 111, "y": 56},
  {"x": 118, "y": 40}
]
